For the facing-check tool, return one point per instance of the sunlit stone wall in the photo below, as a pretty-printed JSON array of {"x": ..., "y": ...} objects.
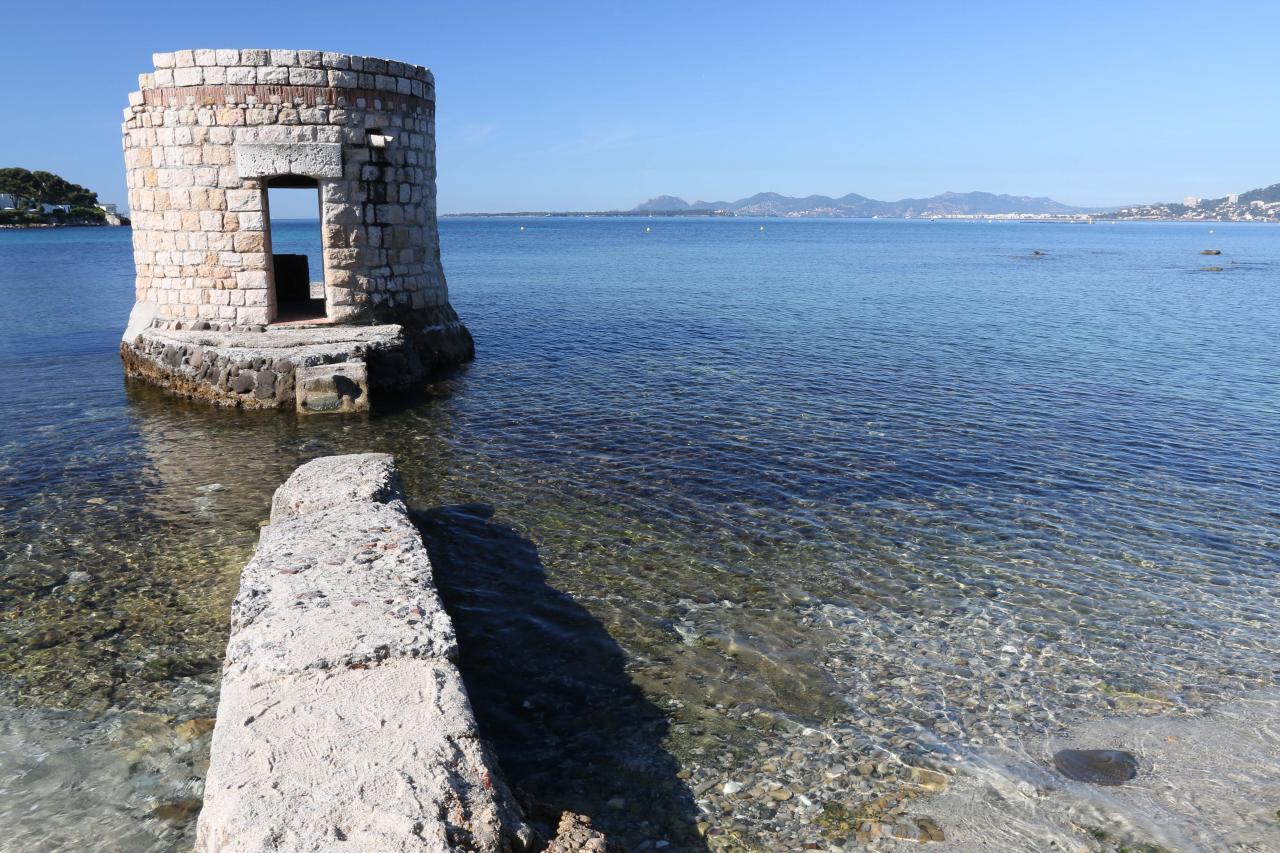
[{"x": 208, "y": 129}]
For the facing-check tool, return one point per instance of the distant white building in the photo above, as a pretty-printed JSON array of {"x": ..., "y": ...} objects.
[
  {"x": 112, "y": 215},
  {"x": 1191, "y": 201},
  {"x": 50, "y": 208},
  {"x": 1234, "y": 198}
]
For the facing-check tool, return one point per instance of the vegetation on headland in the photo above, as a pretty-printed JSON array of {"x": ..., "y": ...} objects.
[
  {"x": 43, "y": 198},
  {"x": 1260, "y": 205}
]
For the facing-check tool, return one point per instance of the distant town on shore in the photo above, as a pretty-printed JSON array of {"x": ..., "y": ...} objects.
[{"x": 1259, "y": 205}]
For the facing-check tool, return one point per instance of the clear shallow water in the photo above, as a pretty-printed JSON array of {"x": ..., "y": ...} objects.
[{"x": 794, "y": 509}]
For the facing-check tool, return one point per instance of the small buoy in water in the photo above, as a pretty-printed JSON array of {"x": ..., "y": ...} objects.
[
  {"x": 521, "y": 227},
  {"x": 1098, "y": 766},
  {"x": 647, "y": 229},
  {"x": 1211, "y": 251},
  {"x": 761, "y": 227}
]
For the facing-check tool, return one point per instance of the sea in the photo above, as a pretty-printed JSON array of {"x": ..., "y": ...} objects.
[{"x": 758, "y": 534}]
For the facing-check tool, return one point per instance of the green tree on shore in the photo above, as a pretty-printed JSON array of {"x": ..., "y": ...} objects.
[
  {"x": 31, "y": 189},
  {"x": 17, "y": 183},
  {"x": 34, "y": 188}
]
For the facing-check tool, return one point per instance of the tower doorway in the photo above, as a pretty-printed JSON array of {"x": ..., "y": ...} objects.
[{"x": 296, "y": 248}]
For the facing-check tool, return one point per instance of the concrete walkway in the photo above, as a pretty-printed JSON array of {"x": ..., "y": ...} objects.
[{"x": 343, "y": 722}]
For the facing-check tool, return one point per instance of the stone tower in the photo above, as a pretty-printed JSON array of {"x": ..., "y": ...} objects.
[{"x": 205, "y": 137}]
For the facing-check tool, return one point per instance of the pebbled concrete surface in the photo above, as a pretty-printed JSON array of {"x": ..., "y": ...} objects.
[{"x": 343, "y": 723}]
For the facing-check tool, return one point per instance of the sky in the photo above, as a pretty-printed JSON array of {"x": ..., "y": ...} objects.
[{"x": 601, "y": 105}]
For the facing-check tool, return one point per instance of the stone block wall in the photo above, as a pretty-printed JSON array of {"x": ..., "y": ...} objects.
[
  {"x": 242, "y": 378},
  {"x": 206, "y": 131}
]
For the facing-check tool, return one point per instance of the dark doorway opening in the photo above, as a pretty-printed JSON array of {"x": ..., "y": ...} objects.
[{"x": 297, "y": 251}]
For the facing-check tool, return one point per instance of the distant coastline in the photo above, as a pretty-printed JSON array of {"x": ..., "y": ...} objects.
[
  {"x": 1258, "y": 205},
  {"x": 18, "y": 226},
  {"x": 1068, "y": 218},
  {"x": 577, "y": 214}
]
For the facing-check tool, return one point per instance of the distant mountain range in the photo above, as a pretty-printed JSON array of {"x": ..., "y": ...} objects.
[{"x": 857, "y": 206}]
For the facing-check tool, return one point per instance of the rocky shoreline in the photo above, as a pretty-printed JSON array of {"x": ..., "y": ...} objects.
[{"x": 24, "y": 225}]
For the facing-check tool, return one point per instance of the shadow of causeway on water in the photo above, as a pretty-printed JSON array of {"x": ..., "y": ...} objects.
[{"x": 571, "y": 730}]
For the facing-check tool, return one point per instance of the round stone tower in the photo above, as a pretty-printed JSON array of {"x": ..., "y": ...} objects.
[{"x": 206, "y": 136}]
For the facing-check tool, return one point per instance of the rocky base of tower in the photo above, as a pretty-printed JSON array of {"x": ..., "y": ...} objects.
[{"x": 323, "y": 368}]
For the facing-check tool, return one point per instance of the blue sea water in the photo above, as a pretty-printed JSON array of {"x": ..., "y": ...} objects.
[{"x": 904, "y": 486}]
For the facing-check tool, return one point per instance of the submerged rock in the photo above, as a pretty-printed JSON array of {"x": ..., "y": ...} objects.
[
  {"x": 176, "y": 813},
  {"x": 44, "y": 639},
  {"x": 1097, "y": 766},
  {"x": 193, "y": 729},
  {"x": 929, "y": 830},
  {"x": 930, "y": 781}
]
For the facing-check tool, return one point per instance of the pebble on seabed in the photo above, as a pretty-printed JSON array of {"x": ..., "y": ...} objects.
[{"x": 1097, "y": 766}]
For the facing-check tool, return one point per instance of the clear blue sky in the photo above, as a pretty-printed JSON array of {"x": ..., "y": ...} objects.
[{"x": 592, "y": 105}]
